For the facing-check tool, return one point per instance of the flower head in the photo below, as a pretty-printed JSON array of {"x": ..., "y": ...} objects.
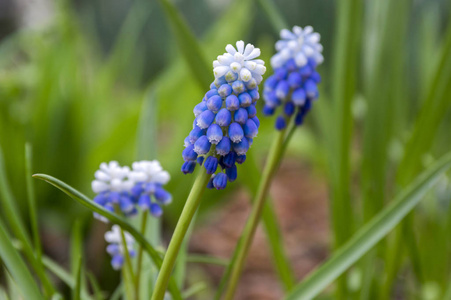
[
  {"x": 113, "y": 186},
  {"x": 119, "y": 188},
  {"x": 225, "y": 120},
  {"x": 299, "y": 45},
  {"x": 294, "y": 82},
  {"x": 116, "y": 246},
  {"x": 148, "y": 191}
]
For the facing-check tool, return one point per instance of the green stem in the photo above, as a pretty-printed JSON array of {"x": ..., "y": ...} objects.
[
  {"x": 140, "y": 255},
  {"x": 183, "y": 223},
  {"x": 128, "y": 263},
  {"x": 257, "y": 209}
]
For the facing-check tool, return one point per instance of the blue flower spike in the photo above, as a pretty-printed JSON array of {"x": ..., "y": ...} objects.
[
  {"x": 294, "y": 82},
  {"x": 116, "y": 246},
  {"x": 226, "y": 120},
  {"x": 149, "y": 178},
  {"x": 113, "y": 188}
]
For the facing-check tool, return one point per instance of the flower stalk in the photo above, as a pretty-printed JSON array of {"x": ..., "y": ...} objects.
[
  {"x": 242, "y": 251},
  {"x": 191, "y": 205},
  {"x": 140, "y": 255}
]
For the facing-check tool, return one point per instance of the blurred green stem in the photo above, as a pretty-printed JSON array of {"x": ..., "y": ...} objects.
[
  {"x": 274, "y": 157},
  {"x": 191, "y": 205},
  {"x": 140, "y": 254},
  {"x": 128, "y": 265},
  {"x": 32, "y": 202}
]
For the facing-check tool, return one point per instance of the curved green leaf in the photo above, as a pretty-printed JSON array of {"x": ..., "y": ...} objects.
[
  {"x": 370, "y": 234},
  {"x": 17, "y": 267},
  {"x": 114, "y": 218}
]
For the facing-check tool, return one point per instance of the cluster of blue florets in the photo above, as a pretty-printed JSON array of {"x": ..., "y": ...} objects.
[
  {"x": 119, "y": 188},
  {"x": 226, "y": 119},
  {"x": 294, "y": 89},
  {"x": 118, "y": 243},
  {"x": 226, "y": 123},
  {"x": 294, "y": 82}
]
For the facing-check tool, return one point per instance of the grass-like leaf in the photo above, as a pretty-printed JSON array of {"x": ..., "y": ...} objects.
[
  {"x": 64, "y": 275},
  {"x": 188, "y": 44},
  {"x": 370, "y": 234},
  {"x": 16, "y": 266},
  {"x": 77, "y": 288},
  {"x": 32, "y": 201},
  {"x": 274, "y": 15},
  {"x": 17, "y": 226},
  {"x": 114, "y": 218}
]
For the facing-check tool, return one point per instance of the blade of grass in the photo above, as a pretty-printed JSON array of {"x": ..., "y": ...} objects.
[
  {"x": 3, "y": 294},
  {"x": 76, "y": 244},
  {"x": 371, "y": 233},
  {"x": 14, "y": 220},
  {"x": 194, "y": 289},
  {"x": 188, "y": 44},
  {"x": 114, "y": 218},
  {"x": 62, "y": 274},
  {"x": 32, "y": 201},
  {"x": 13, "y": 289},
  {"x": 16, "y": 266},
  {"x": 98, "y": 294},
  {"x": 149, "y": 227},
  {"x": 76, "y": 292},
  {"x": 343, "y": 86},
  {"x": 274, "y": 15},
  {"x": 433, "y": 111},
  {"x": 117, "y": 292},
  {"x": 382, "y": 98}
]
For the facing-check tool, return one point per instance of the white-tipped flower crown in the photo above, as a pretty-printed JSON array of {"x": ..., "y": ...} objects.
[
  {"x": 240, "y": 63},
  {"x": 111, "y": 177},
  {"x": 300, "y": 45}
]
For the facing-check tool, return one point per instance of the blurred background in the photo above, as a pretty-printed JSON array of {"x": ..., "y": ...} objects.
[{"x": 75, "y": 75}]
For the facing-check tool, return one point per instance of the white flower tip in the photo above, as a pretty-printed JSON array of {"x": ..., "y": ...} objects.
[
  {"x": 241, "y": 61},
  {"x": 299, "y": 44},
  {"x": 240, "y": 46}
]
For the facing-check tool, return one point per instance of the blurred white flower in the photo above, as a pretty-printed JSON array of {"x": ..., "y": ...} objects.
[
  {"x": 300, "y": 45},
  {"x": 149, "y": 171},
  {"x": 111, "y": 177}
]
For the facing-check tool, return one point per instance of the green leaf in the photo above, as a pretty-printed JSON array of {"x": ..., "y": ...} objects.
[
  {"x": 32, "y": 201},
  {"x": 56, "y": 269},
  {"x": 274, "y": 15},
  {"x": 149, "y": 227},
  {"x": 432, "y": 113},
  {"x": 76, "y": 245},
  {"x": 371, "y": 233},
  {"x": 14, "y": 220},
  {"x": 343, "y": 90},
  {"x": 98, "y": 294},
  {"x": 188, "y": 45},
  {"x": 17, "y": 267},
  {"x": 65, "y": 276},
  {"x": 77, "y": 289},
  {"x": 114, "y": 218}
]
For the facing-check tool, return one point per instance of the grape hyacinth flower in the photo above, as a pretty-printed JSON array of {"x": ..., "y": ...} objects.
[
  {"x": 148, "y": 191},
  {"x": 226, "y": 119},
  {"x": 112, "y": 186},
  {"x": 116, "y": 246},
  {"x": 294, "y": 82}
]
